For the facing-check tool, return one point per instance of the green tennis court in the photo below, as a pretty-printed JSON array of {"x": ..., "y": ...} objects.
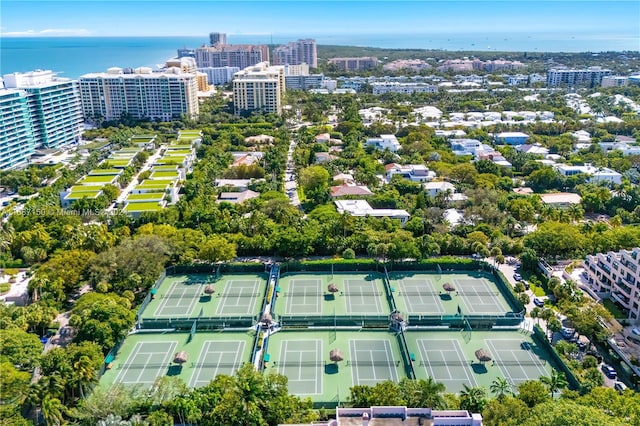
[
  {"x": 448, "y": 358},
  {"x": 184, "y": 297},
  {"x": 240, "y": 297},
  {"x": 303, "y": 294},
  {"x": 217, "y": 357},
  {"x": 143, "y": 357},
  {"x": 304, "y": 357},
  {"x": 146, "y": 362},
  {"x": 372, "y": 361},
  {"x": 447, "y": 294},
  {"x": 301, "y": 361}
]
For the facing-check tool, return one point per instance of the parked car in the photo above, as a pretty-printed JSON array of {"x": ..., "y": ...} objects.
[
  {"x": 517, "y": 277},
  {"x": 620, "y": 387},
  {"x": 538, "y": 302},
  {"x": 567, "y": 332},
  {"x": 609, "y": 371},
  {"x": 636, "y": 331},
  {"x": 527, "y": 286}
]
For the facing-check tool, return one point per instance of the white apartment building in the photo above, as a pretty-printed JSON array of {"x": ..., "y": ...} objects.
[
  {"x": 617, "y": 275},
  {"x": 17, "y": 141},
  {"x": 259, "y": 88},
  {"x": 303, "y": 51},
  {"x": 54, "y": 105},
  {"x": 407, "y": 88},
  {"x": 219, "y": 75},
  {"x": 596, "y": 174},
  {"x": 389, "y": 142},
  {"x": 142, "y": 94},
  {"x": 590, "y": 77},
  {"x": 231, "y": 55},
  {"x": 614, "y": 81}
]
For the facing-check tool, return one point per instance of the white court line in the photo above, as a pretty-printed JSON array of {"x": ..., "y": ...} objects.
[
  {"x": 455, "y": 347},
  {"x": 205, "y": 352},
  {"x": 362, "y": 287},
  {"x": 393, "y": 371},
  {"x": 165, "y": 299},
  {"x": 352, "y": 352},
  {"x": 316, "y": 290},
  {"x": 192, "y": 298},
  {"x": 226, "y": 298},
  {"x": 165, "y": 362},
  {"x": 435, "y": 306},
  {"x": 318, "y": 380}
]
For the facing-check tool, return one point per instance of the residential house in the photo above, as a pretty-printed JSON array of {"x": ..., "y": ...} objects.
[
  {"x": 237, "y": 197},
  {"x": 561, "y": 200},
  {"x": 350, "y": 189},
  {"x": 596, "y": 174},
  {"x": 384, "y": 142},
  {"x": 412, "y": 172},
  {"x": 361, "y": 208},
  {"x": 512, "y": 138}
]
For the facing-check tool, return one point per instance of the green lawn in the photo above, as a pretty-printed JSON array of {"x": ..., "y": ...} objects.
[
  {"x": 157, "y": 174},
  {"x": 105, "y": 172},
  {"x": 148, "y": 196},
  {"x": 613, "y": 308},
  {"x": 538, "y": 291},
  {"x": 97, "y": 179},
  {"x": 143, "y": 207}
]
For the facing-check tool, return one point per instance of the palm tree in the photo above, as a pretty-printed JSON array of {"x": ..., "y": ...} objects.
[
  {"x": 84, "y": 374},
  {"x": 501, "y": 388},
  {"x": 52, "y": 411},
  {"x": 555, "y": 382},
  {"x": 473, "y": 399}
]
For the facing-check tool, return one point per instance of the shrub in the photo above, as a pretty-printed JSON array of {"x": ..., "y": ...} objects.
[{"x": 349, "y": 254}]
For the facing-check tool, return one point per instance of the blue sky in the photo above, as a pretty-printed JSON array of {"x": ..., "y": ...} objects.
[{"x": 314, "y": 18}]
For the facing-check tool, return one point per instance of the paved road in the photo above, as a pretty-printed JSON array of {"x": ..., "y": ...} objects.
[
  {"x": 134, "y": 181},
  {"x": 290, "y": 183}
]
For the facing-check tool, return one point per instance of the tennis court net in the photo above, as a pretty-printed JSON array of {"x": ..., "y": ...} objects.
[
  {"x": 466, "y": 292},
  {"x": 215, "y": 364},
  {"x": 496, "y": 362},
  {"x": 342, "y": 293},
  {"x": 191, "y": 295},
  {"x": 374, "y": 363},
  {"x": 143, "y": 366},
  {"x": 300, "y": 363},
  {"x": 242, "y": 294}
]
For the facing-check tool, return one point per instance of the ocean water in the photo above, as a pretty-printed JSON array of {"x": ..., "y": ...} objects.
[{"x": 74, "y": 56}]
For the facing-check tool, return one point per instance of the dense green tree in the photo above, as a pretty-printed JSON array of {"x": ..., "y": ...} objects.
[
  {"x": 532, "y": 392},
  {"x": 20, "y": 348},
  {"x": 102, "y": 318},
  {"x": 509, "y": 411}
]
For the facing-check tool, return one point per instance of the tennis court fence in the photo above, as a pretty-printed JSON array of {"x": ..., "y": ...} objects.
[
  {"x": 493, "y": 362},
  {"x": 203, "y": 323}
]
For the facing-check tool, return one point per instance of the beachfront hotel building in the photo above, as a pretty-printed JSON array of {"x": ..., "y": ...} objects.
[
  {"x": 231, "y": 55},
  {"x": 259, "y": 88},
  {"x": 589, "y": 77},
  {"x": 17, "y": 140},
  {"x": 303, "y": 51},
  {"x": 37, "y": 110},
  {"x": 54, "y": 106},
  {"x": 616, "y": 275},
  {"x": 143, "y": 93}
]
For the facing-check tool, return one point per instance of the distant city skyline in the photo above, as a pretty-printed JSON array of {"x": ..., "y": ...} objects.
[{"x": 315, "y": 18}]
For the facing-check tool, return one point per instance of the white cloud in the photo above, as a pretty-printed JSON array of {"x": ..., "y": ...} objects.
[{"x": 49, "y": 32}]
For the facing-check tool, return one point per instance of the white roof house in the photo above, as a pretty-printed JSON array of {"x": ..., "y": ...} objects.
[
  {"x": 532, "y": 149},
  {"x": 582, "y": 136},
  {"x": 412, "y": 172},
  {"x": 620, "y": 146},
  {"x": 597, "y": 174},
  {"x": 384, "y": 142},
  {"x": 361, "y": 208},
  {"x": 560, "y": 199}
]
